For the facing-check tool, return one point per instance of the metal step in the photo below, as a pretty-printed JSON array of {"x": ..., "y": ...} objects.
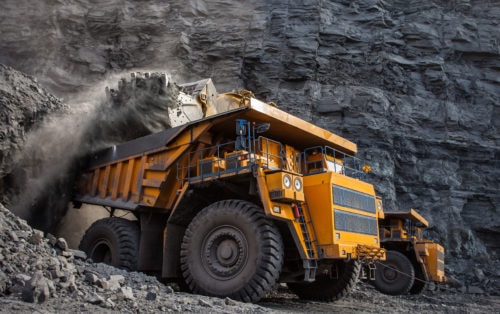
[{"x": 310, "y": 263}]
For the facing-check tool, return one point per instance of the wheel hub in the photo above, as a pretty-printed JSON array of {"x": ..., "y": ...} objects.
[
  {"x": 390, "y": 274},
  {"x": 225, "y": 252}
]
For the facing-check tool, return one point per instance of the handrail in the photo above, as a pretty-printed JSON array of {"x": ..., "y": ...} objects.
[
  {"x": 259, "y": 152},
  {"x": 349, "y": 165},
  {"x": 268, "y": 155}
]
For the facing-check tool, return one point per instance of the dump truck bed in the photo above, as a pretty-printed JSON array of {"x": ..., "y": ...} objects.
[{"x": 410, "y": 214}]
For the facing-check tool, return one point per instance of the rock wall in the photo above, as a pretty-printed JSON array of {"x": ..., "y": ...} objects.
[{"x": 415, "y": 84}]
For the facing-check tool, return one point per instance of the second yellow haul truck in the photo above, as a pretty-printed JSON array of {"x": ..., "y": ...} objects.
[
  {"x": 412, "y": 261},
  {"x": 236, "y": 201}
]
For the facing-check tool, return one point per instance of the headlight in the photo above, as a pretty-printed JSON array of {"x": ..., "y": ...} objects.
[
  {"x": 298, "y": 184},
  {"x": 287, "y": 181}
]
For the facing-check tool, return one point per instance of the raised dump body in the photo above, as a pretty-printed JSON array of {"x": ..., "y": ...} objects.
[
  {"x": 412, "y": 261},
  {"x": 235, "y": 202}
]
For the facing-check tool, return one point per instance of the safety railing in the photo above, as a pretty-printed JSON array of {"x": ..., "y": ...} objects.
[
  {"x": 324, "y": 158},
  {"x": 224, "y": 159},
  {"x": 270, "y": 152}
]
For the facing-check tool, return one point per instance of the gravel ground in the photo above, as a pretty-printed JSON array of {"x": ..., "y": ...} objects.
[{"x": 39, "y": 273}]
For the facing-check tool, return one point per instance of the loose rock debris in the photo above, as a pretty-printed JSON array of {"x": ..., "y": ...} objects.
[
  {"x": 39, "y": 273},
  {"x": 42, "y": 269}
]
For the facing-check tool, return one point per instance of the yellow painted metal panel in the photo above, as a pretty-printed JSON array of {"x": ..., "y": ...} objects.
[
  {"x": 103, "y": 183},
  {"x": 334, "y": 243},
  {"x": 136, "y": 197},
  {"x": 435, "y": 261},
  {"x": 353, "y": 184},
  {"x": 318, "y": 194},
  {"x": 128, "y": 179},
  {"x": 411, "y": 214},
  {"x": 115, "y": 183},
  {"x": 95, "y": 182},
  {"x": 283, "y": 124}
]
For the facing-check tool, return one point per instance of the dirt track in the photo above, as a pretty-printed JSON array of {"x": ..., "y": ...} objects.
[{"x": 365, "y": 299}]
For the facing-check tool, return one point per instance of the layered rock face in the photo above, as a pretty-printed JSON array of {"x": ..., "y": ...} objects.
[{"x": 415, "y": 84}]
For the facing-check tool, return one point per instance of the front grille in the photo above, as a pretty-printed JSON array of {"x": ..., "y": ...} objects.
[
  {"x": 345, "y": 221},
  {"x": 353, "y": 199},
  {"x": 276, "y": 195}
]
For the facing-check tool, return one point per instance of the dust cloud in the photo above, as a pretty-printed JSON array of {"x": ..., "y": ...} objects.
[
  {"x": 49, "y": 162},
  {"x": 56, "y": 151}
]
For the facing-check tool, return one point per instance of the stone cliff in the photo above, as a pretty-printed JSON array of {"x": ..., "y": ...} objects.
[{"x": 415, "y": 84}]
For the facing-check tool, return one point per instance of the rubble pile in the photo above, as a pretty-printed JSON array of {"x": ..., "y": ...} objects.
[
  {"x": 33, "y": 266},
  {"x": 41, "y": 269},
  {"x": 40, "y": 273},
  {"x": 24, "y": 103}
]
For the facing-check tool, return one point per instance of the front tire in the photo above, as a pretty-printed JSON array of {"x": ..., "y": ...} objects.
[
  {"x": 230, "y": 249},
  {"x": 395, "y": 275},
  {"x": 420, "y": 284},
  {"x": 329, "y": 289},
  {"x": 113, "y": 241}
]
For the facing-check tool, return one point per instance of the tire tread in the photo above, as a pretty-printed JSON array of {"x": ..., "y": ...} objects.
[
  {"x": 271, "y": 249},
  {"x": 126, "y": 234}
]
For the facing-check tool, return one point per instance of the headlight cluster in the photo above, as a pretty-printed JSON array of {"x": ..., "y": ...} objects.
[
  {"x": 287, "y": 181},
  {"x": 297, "y": 182}
]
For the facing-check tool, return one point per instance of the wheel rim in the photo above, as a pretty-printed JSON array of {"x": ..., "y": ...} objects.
[
  {"x": 101, "y": 252},
  {"x": 389, "y": 273},
  {"x": 224, "y": 252},
  {"x": 396, "y": 274}
]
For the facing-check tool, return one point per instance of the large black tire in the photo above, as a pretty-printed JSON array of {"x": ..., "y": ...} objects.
[
  {"x": 114, "y": 241},
  {"x": 328, "y": 289},
  {"x": 395, "y": 275},
  {"x": 230, "y": 249},
  {"x": 420, "y": 284}
]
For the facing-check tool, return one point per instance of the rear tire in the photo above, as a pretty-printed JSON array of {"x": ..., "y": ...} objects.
[
  {"x": 395, "y": 275},
  {"x": 113, "y": 241},
  {"x": 230, "y": 249},
  {"x": 328, "y": 289}
]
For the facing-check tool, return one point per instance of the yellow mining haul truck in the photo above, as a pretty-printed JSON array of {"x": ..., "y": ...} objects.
[
  {"x": 412, "y": 261},
  {"x": 232, "y": 203}
]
